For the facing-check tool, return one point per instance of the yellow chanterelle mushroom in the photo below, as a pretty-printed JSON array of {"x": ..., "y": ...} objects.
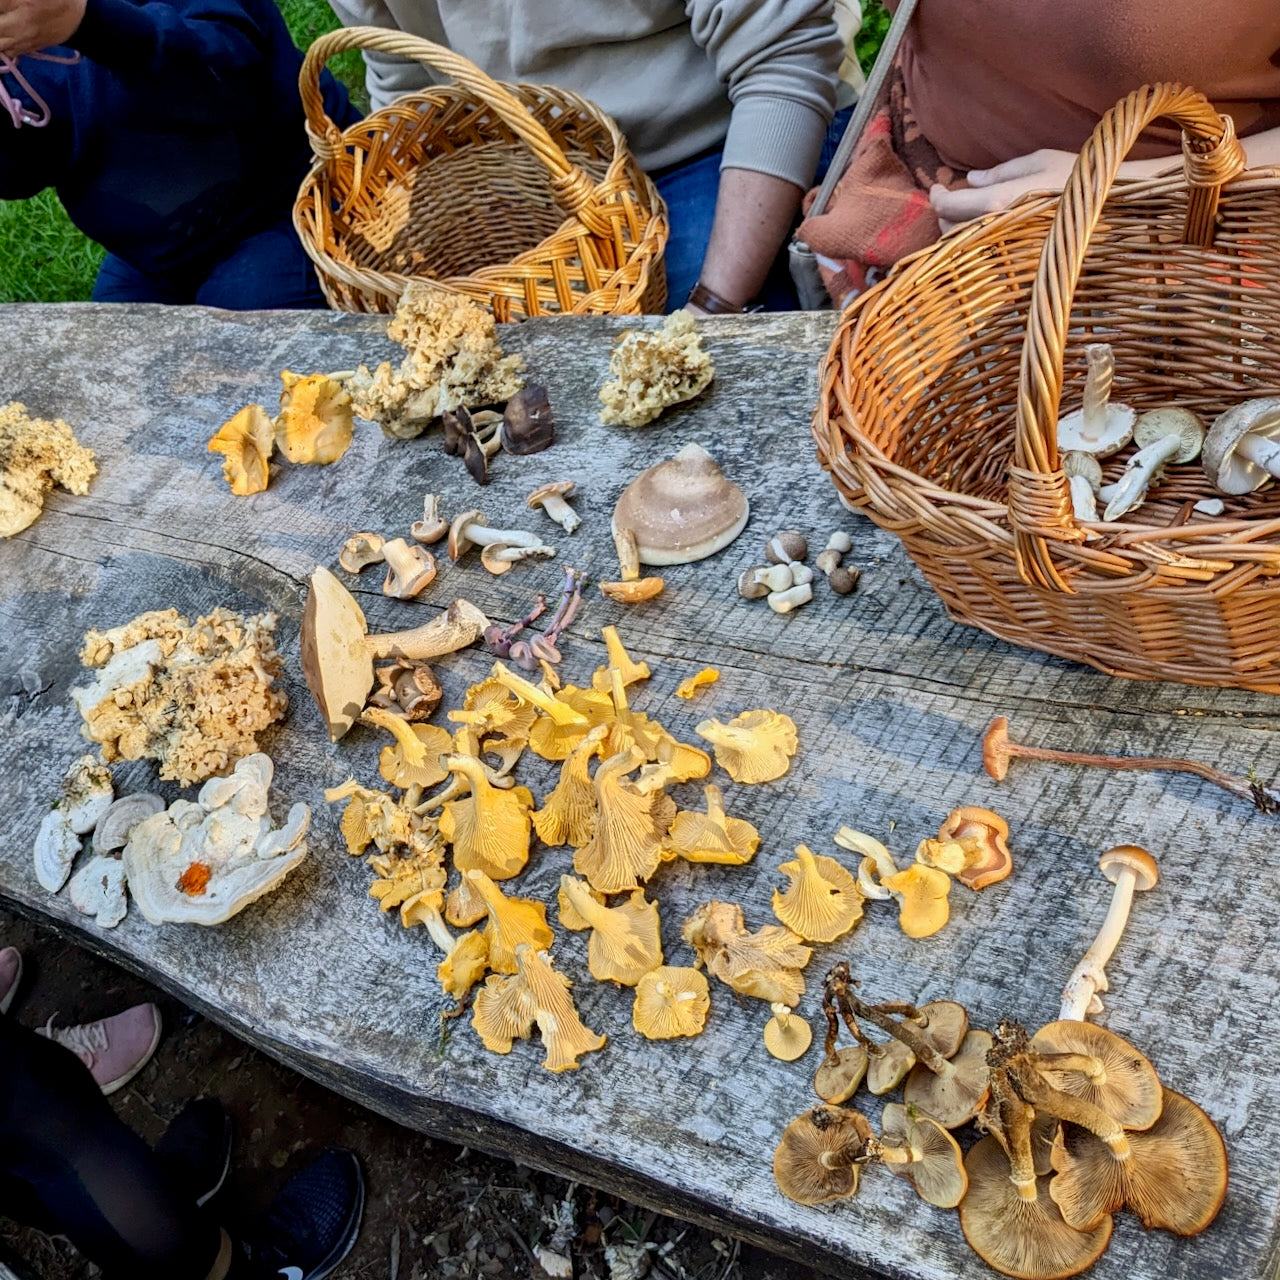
[
  {"x": 824, "y": 900},
  {"x": 713, "y": 836},
  {"x": 246, "y": 442},
  {"x": 755, "y": 746},
  {"x": 511, "y": 922},
  {"x": 568, "y": 814},
  {"x": 626, "y": 846},
  {"x": 626, "y": 941},
  {"x": 671, "y": 1002},
  {"x": 415, "y": 758},
  {"x": 316, "y": 420},
  {"x": 489, "y": 829},
  {"x": 766, "y": 964},
  {"x": 922, "y": 899}
]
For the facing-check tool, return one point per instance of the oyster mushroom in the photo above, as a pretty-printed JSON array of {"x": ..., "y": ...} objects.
[
  {"x": 766, "y": 964},
  {"x": 625, "y": 941},
  {"x": 361, "y": 550},
  {"x": 1100, "y": 426},
  {"x": 820, "y": 1155},
  {"x": 338, "y": 652},
  {"x": 823, "y": 902},
  {"x": 916, "y": 1147},
  {"x": 714, "y": 836},
  {"x": 97, "y": 890},
  {"x": 1242, "y": 449},
  {"x": 112, "y": 830},
  {"x": 316, "y": 421},
  {"x": 787, "y": 1037},
  {"x": 1162, "y": 436},
  {"x": 246, "y": 442},
  {"x": 755, "y": 746},
  {"x": 682, "y": 510},
  {"x": 410, "y": 569},
  {"x": 670, "y": 1002},
  {"x": 551, "y": 498}
]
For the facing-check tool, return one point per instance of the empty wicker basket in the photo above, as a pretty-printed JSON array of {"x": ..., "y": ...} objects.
[
  {"x": 940, "y": 397},
  {"x": 524, "y": 198}
]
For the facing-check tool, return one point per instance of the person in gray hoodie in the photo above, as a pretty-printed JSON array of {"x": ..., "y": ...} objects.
[{"x": 725, "y": 103}]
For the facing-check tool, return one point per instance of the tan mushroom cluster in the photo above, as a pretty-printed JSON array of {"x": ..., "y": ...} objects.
[
  {"x": 651, "y": 370},
  {"x": 35, "y": 455},
  {"x": 785, "y": 581},
  {"x": 315, "y": 426},
  {"x": 452, "y": 359},
  {"x": 192, "y": 696},
  {"x": 971, "y": 845},
  {"x": 610, "y": 807}
]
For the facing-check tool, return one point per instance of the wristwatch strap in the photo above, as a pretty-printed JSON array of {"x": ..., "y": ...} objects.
[{"x": 711, "y": 302}]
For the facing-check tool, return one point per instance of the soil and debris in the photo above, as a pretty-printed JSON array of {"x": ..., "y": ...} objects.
[{"x": 434, "y": 1211}]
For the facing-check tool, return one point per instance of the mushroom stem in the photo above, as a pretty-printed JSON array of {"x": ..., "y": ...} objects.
[
  {"x": 1262, "y": 452},
  {"x": 439, "y": 932},
  {"x": 559, "y": 712},
  {"x": 1083, "y": 500},
  {"x": 498, "y": 639},
  {"x": 460, "y": 625},
  {"x": 999, "y": 748},
  {"x": 1097, "y": 389},
  {"x": 903, "y": 1031},
  {"x": 1015, "y": 1123},
  {"x": 1085, "y": 1063},
  {"x": 482, "y": 535},
  {"x": 1141, "y": 469},
  {"x": 570, "y": 602},
  {"x": 561, "y": 512},
  {"x": 1036, "y": 1090}
]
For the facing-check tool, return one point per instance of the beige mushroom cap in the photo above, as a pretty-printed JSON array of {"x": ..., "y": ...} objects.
[
  {"x": 671, "y": 1002},
  {"x": 316, "y": 421},
  {"x": 817, "y": 1157},
  {"x": 888, "y": 1066},
  {"x": 936, "y": 1164},
  {"x": 336, "y": 662},
  {"x": 1175, "y": 1177},
  {"x": 459, "y": 544},
  {"x": 837, "y": 1079},
  {"x": 1124, "y": 1085},
  {"x": 953, "y": 1098},
  {"x": 1026, "y": 1239},
  {"x": 786, "y": 1035},
  {"x": 682, "y": 510}
]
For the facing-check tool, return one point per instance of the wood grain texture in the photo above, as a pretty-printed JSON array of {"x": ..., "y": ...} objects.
[{"x": 890, "y": 698}]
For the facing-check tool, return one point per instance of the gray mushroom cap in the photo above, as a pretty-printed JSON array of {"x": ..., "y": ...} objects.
[
  {"x": 1242, "y": 449},
  {"x": 1084, "y": 465},
  {"x": 112, "y": 831},
  {"x": 1158, "y": 424}
]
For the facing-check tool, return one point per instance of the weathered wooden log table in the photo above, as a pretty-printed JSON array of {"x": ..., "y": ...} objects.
[{"x": 891, "y": 700}]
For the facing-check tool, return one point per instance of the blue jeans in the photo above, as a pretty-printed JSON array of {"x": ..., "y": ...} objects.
[
  {"x": 690, "y": 192},
  {"x": 266, "y": 271}
]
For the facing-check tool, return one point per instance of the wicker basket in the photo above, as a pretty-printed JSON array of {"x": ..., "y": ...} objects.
[
  {"x": 523, "y": 197},
  {"x": 940, "y": 396}
]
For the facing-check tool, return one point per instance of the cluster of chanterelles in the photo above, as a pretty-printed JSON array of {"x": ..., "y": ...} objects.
[{"x": 1077, "y": 1125}]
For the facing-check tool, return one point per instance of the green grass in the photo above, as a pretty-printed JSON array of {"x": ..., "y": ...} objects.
[{"x": 43, "y": 258}]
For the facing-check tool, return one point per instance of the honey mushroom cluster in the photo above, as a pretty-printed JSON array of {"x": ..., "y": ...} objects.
[
  {"x": 785, "y": 582},
  {"x": 621, "y": 824}
]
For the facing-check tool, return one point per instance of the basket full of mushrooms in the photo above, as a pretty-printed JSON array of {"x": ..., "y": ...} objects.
[{"x": 1070, "y": 411}]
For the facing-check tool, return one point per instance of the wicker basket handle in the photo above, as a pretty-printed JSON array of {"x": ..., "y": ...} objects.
[
  {"x": 573, "y": 189},
  {"x": 1039, "y": 497}
]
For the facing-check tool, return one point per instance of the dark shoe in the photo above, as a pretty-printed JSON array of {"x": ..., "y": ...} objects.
[
  {"x": 10, "y": 976},
  {"x": 313, "y": 1223},
  {"x": 196, "y": 1149}
]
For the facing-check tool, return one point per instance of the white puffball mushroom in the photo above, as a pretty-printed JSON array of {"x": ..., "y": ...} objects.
[
  {"x": 1162, "y": 436},
  {"x": 1099, "y": 426},
  {"x": 1242, "y": 449}
]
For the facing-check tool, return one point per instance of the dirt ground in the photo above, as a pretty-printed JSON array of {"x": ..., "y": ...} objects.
[{"x": 434, "y": 1211}]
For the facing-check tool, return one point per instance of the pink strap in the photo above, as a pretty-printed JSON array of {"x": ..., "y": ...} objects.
[{"x": 37, "y": 114}]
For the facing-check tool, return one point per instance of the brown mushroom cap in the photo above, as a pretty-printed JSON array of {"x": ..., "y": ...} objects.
[
  {"x": 1126, "y": 1086},
  {"x": 945, "y": 1025},
  {"x": 888, "y": 1066},
  {"x": 991, "y": 861},
  {"x": 815, "y": 1160},
  {"x": 1175, "y": 1177},
  {"x": 1130, "y": 857},
  {"x": 837, "y": 1081},
  {"x": 1026, "y": 1239},
  {"x": 995, "y": 748},
  {"x": 336, "y": 662},
  {"x": 936, "y": 1168},
  {"x": 682, "y": 510},
  {"x": 955, "y": 1097},
  {"x": 459, "y": 544}
]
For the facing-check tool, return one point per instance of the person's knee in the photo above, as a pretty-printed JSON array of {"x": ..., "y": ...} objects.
[{"x": 269, "y": 271}]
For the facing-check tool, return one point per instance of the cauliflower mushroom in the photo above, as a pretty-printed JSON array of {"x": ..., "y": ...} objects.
[
  {"x": 820, "y": 1155},
  {"x": 653, "y": 369},
  {"x": 315, "y": 424},
  {"x": 35, "y": 455},
  {"x": 766, "y": 964},
  {"x": 823, "y": 902},
  {"x": 713, "y": 836},
  {"x": 671, "y": 1002},
  {"x": 755, "y": 746}
]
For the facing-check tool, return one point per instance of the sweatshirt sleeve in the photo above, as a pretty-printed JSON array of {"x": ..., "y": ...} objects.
[
  {"x": 388, "y": 77},
  {"x": 779, "y": 61},
  {"x": 213, "y": 52}
]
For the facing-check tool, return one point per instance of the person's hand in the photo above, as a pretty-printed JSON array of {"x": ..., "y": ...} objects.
[
  {"x": 27, "y": 26},
  {"x": 990, "y": 190}
]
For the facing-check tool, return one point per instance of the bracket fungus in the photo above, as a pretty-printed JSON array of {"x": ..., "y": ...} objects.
[
  {"x": 1162, "y": 436},
  {"x": 55, "y": 850},
  {"x": 87, "y": 793},
  {"x": 820, "y": 1155},
  {"x": 916, "y": 1147},
  {"x": 681, "y": 510},
  {"x": 35, "y": 455},
  {"x": 653, "y": 369},
  {"x": 755, "y": 746},
  {"x": 823, "y": 902},
  {"x": 315, "y": 423},
  {"x": 671, "y": 1002},
  {"x": 508, "y": 1008},
  {"x": 98, "y": 890},
  {"x": 766, "y": 964},
  {"x": 191, "y": 696},
  {"x": 1131, "y": 869},
  {"x": 1100, "y": 426},
  {"x": 119, "y": 819},
  {"x": 625, "y": 942},
  {"x": 713, "y": 836},
  {"x": 786, "y": 1036},
  {"x": 1242, "y": 449},
  {"x": 228, "y": 832},
  {"x": 338, "y": 653},
  {"x": 246, "y": 442}
]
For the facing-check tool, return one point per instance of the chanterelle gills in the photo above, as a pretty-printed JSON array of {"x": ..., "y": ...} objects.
[
  {"x": 315, "y": 422},
  {"x": 246, "y": 442},
  {"x": 625, "y": 941},
  {"x": 35, "y": 455},
  {"x": 823, "y": 901},
  {"x": 755, "y": 746},
  {"x": 671, "y": 1002},
  {"x": 766, "y": 964}
]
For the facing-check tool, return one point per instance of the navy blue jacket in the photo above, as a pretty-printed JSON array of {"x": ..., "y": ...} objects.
[{"x": 178, "y": 133}]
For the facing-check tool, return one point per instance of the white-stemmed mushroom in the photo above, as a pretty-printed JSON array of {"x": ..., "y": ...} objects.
[
  {"x": 471, "y": 529},
  {"x": 790, "y": 599},
  {"x": 1162, "y": 436},
  {"x": 361, "y": 550},
  {"x": 1099, "y": 426},
  {"x": 1085, "y": 477},
  {"x": 1130, "y": 869},
  {"x": 498, "y": 558},
  {"x": 552, "y": 498},
  {"x": 433, "y": 526},
  {"x": 411, "y": 569},
  {"x": 1242, "y": 449},
  {"x": 877, "y": 862}
]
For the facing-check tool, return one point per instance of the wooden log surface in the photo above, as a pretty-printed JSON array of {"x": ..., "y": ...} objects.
[{"x": 891, "y": 700}]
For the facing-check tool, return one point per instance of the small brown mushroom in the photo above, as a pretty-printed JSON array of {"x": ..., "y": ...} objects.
[
  {"x": 916, "y": 1147},
  {"x": 819, "y": 1156},
  {"x": 840, "y": 1073},
  {"x": 361, "y": 550},
  {"x": 749, "y": 586},
  {"x": 528, "y": 425},
  {"x": 498, "y": 557},
  {"x": 551, "y": 498},
  {"x": 408, "y": 689},
  {"x": 1093, "y": 1063},
  {"x": 786, "y": 547},
  {"x": 410, "y": 569},
  {"x": 839, "y": 544}
]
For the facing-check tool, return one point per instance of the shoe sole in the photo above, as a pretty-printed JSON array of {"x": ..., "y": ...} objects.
[
  {"x": 120, "y": 1081},
  {"x": 7, "y": 1001},
  {"x": 348, "y": 1242},
  {"x": 226, "y": 1165}
]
